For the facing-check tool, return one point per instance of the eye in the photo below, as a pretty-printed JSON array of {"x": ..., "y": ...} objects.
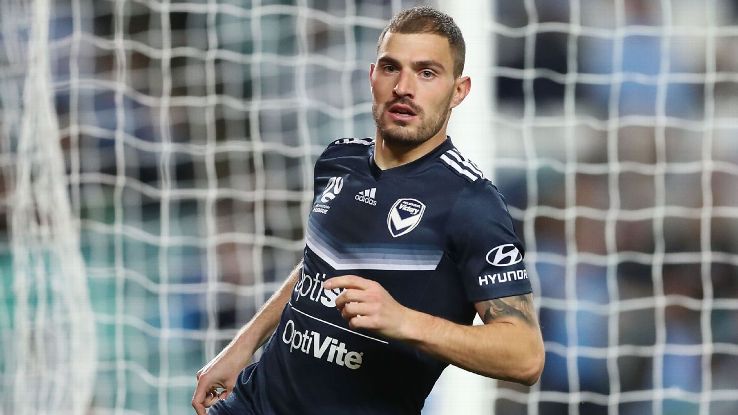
[
  {"x": 389, "y": 68},
  {"x": 427, "y": 74}
]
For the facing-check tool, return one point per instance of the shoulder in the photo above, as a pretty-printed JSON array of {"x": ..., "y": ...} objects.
[
  {"x": 461, "y": 166},
  {"x": 352, "y": 142},
  {"x": 476, "y": 187},
  {"x": 473, "y": 190},
  {"x": 480, "y": 213},
  {"x": 349, "y": 146},
  {"x": 481, "y": 197},
  {"x": 345, "y": 149}
]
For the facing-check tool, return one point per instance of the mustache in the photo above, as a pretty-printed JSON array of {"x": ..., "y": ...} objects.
[{"x": 405, "y": 101}]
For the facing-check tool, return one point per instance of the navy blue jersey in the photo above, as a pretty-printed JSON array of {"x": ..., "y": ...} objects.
[{"x": 434, "y": 233}]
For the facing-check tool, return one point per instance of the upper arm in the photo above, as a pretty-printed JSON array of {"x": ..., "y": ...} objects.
[
  {"x": 489, "y": 255},
  {"x": 508, "y": 309}
]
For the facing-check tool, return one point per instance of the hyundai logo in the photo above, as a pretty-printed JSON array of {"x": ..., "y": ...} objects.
[{"x": 504, "y": 255}]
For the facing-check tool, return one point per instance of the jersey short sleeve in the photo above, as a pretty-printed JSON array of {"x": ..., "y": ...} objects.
[{"x": 487, "y": 252}]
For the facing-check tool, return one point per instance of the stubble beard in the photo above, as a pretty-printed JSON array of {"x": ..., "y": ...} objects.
[{"x": 400, "y": 135}]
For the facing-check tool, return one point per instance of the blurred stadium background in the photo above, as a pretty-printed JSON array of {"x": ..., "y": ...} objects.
[{"x": 156, "y": 167}]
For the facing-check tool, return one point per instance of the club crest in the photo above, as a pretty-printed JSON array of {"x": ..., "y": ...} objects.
[{"x": 404, "y": 216}]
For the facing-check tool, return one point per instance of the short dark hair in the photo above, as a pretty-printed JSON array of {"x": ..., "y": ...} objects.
[{"x": 423, "y": 19}]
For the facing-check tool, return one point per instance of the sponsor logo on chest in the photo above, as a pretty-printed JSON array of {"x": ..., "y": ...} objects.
[
  {"x": 311, "y": 288},
  {"x": 321, "y": 347}
]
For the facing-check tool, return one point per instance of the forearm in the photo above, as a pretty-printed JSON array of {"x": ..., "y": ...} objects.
[
  {"x": 254, "y": 333},
  {"x": 508, "y": 346},
  {"x": 216, "y": 380},
  {"x": 507, "y": 350}
]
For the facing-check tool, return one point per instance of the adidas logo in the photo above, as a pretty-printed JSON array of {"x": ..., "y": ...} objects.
[{"x": 367, "y": 196}]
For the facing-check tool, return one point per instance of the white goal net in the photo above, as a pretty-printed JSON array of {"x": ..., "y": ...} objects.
[{"x": 156, "y": 171}]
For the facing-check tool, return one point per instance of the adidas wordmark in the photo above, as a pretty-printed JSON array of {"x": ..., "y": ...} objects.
[{"x": 367, "y": 196}]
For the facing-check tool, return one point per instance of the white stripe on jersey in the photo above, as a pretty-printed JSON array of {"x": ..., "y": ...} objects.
[
  {"x": 364, "y": 141},
  {"x": 335, "y": 325},
  {"x": 454, "y": 165},
  {"x": 468, "y": 163}
]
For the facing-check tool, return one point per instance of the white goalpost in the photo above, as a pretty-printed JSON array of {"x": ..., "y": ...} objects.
[
  {"x": 156, "y": 165},
  {"x": 458, "y": 390},
  {"x": 49, "y": 354}
]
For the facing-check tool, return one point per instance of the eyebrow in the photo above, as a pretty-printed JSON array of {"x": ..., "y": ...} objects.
[{"x": 428, "y": 63}]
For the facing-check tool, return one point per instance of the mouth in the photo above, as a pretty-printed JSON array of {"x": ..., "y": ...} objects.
[{"x": 401, "y": 112}]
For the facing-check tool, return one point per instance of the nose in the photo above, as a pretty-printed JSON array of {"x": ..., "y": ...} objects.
[{"x": 405, "y": 86}]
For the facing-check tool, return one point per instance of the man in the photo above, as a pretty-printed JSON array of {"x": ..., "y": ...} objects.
[{"x": 405, "y": 242}]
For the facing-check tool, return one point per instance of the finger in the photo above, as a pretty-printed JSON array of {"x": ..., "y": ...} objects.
[
  {"x": 198, "y": 397},
  {"x": 356, "y": 309},
  {"x": 212, "y": 398},
  {"x": 223, "y": 395},
  {"x": 199, "y": 409},
  {"x": 203, "y": 397},
  {"x": 346, "y": 281},
  {"x": 359, "y": 322},
  {"x": 197, "y": 403},
  {"x": 348, "y": 296}
]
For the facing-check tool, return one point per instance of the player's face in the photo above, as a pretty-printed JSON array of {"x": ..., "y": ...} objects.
[{"x": 414, "y": 88}]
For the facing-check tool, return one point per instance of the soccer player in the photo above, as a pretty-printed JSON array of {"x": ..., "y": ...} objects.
[{"x": 405, "y": 242}]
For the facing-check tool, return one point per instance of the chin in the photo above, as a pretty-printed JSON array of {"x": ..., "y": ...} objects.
[{"x": 403, "y": 138}]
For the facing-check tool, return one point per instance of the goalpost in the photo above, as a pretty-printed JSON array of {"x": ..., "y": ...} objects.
[
  {"x": 155, "y": 174},
  {"x": 458, "y": 390},
  {"x": 49, "y": 354}
]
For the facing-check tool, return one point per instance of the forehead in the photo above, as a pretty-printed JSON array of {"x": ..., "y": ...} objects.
[{"x": 414, "y": 47}]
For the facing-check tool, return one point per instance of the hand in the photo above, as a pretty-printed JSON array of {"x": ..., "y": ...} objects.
[
  {"x": 365, "y": 304},
  {"x": 215, "y": 381}
]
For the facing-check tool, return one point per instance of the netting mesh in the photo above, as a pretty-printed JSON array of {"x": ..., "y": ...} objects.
[
  {"x": 618, "y": 154},
  {"x": 189, "y": 129}
]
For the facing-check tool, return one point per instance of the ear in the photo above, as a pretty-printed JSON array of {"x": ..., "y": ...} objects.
[
  {"x": 371, "y": 75},
  {"x": 461, "y": 90}
]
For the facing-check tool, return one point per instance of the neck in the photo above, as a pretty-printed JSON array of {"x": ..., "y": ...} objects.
[{"x": 387, "y": 155}]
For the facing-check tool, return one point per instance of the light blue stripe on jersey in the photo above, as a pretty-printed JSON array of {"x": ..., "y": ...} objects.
[{"x": 386, "y": 257}]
